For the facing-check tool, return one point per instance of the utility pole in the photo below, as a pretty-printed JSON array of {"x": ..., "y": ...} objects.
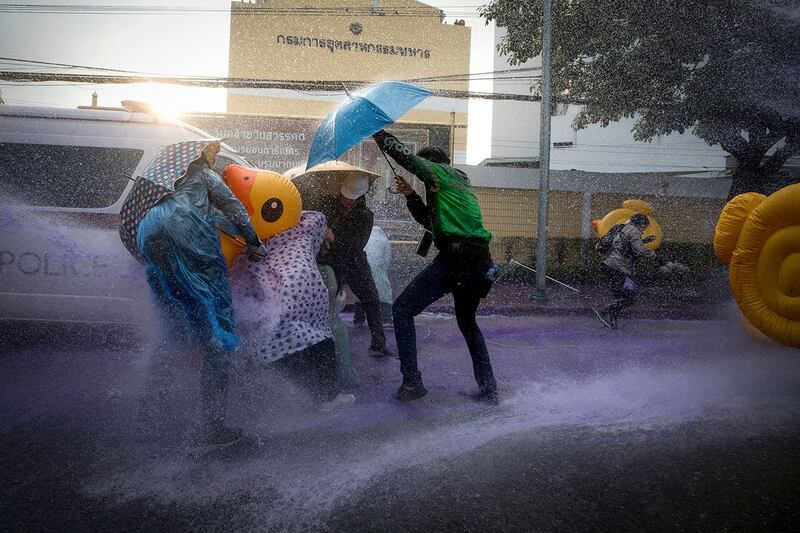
[
  {"x": 539, "y": 293},
  {"x": 452, "y": 136}
]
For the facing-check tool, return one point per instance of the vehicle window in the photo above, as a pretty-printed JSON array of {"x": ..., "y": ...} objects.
[
  {"x": 222, "y": 163},
  {"x": 65, "y": 176}
]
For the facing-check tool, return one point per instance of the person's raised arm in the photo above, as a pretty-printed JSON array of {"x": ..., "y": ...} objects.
[
  {"x": 223, "y": 199},
  {"x": 418, "y": 209},
  {"x": 419, "y": 166}
]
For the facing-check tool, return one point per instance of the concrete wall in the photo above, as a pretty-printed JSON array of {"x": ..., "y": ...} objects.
[{"x": 686, "y": 208}]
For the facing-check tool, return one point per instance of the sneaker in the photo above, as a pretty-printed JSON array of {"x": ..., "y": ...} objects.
[
  {"x": 613, "y": 322},
  {"x": 341, "y": 400},
  {"x": 603, "y": 319},
  {"x": 410, "y": 392}
]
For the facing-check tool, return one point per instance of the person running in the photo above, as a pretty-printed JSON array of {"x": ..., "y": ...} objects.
[
  {"x": 188, "y": 276},
  {"x": 453, "y": 216},
  {"x": 616, "y": 267},
  {"x": 350, "y": 224}
]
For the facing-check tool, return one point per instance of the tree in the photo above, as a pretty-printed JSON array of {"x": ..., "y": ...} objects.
[{"x": 728, "y": 70}]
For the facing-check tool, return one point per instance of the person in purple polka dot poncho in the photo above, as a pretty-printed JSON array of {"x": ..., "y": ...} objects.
[{"x": 282, "y": 307}]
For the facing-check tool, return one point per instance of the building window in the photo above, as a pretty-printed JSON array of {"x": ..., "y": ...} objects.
[
  {"x": 65, "y": 176},
  {"x": 222, "y": 163}
]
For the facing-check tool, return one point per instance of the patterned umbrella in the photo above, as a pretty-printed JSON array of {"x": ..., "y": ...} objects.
[{"x": 156, "y": 182}]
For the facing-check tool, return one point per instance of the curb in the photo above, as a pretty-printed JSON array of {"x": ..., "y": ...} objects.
[{"x": 641, "y": 311}]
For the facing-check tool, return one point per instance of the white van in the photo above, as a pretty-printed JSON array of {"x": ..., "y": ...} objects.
[{"x": 64, "y": 174}]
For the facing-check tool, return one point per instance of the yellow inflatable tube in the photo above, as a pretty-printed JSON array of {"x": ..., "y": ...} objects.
[
  {"x": 622, "y": 215},
  {"x": 271, "y": 200},
  {"x": 730, "y": 222},
  {"x": 765, "y": 261}
]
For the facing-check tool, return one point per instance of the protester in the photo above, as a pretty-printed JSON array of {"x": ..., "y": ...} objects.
[
  {"x": 454, "y": 217},
  {"x": 616, "y": 267},
  {"x": 283, "y": 308},
  {"x": 188, "y": 275},
  {"x": 346, "y": 374},
  {"x": 379, "y": 257},
  {"x": 350, "y": 224}
]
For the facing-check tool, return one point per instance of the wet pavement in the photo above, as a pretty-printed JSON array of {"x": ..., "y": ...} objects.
[{"x": 662, "y": 425}]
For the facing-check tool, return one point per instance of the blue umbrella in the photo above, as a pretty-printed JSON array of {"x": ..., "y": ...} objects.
[{"x": 362, "y": 114}]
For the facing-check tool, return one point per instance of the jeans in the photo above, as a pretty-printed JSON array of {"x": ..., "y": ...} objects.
[
  {"x": 463, "y": 276},
  {"x": 623, "y": 297}
]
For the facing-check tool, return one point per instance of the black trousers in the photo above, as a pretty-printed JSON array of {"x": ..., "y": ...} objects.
[
  {"x": 359, "y": 317},
  {"x": 464, "y": 276},
  {"x": 356, "y": 274},
  {"x": 214, "y": 388},
  {"x": 623, "y": 297},
  {"x": 172, "y": 334},
  {"x": 315, "y": 369}
]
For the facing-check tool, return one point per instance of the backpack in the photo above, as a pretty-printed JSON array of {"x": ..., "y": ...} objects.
[{"x": 606, "y": 243}]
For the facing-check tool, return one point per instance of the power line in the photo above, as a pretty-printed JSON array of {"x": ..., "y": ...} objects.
[
  {"x": 240, "y": 10},
  {"x": 130, "y": 76},
  {"x": 237, "y": 83},
  {"x": 71, "y": 66},
  {"x": 442, "y": 78}
]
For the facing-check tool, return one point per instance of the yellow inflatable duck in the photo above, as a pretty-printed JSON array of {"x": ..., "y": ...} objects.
[
  {"x": 759, "y": 238},
  {"x": 271, "y": 200},
  {"x": 620, "y": 216}
]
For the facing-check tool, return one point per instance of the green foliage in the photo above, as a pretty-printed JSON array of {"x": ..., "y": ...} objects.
[{"x": 728, "y": 70}]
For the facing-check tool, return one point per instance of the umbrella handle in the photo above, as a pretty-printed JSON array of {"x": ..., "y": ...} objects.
[
  {"x": 394, "y": 171},
  {"x": 386, "y": 157}
]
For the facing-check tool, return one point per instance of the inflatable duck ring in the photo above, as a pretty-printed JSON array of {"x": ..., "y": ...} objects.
[
  {"x": 759, "y": 237},
  {"x": 271, "y": 200},
  {"x": 622, "y": 215}
]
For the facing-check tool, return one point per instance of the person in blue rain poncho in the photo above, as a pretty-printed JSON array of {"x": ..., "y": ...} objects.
[{"x": 188, "y": 276}]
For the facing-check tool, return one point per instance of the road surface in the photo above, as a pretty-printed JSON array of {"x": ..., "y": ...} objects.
[{"x": 662, "y": 425}]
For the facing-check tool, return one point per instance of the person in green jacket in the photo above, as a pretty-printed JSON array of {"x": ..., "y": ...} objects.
[{"x": 452, "y": 214}]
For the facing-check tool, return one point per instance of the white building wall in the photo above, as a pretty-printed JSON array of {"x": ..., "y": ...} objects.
[
  {"x": 479, "y": 112},
  {"x": 515, "y": 134},
  {"x": 515, "y": 124},
  {"x": 613, "y": 149}
]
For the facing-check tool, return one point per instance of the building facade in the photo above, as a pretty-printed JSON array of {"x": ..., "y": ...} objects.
[{"x": 353, "y": 42}]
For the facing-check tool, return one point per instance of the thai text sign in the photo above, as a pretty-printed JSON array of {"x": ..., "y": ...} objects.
[{"x": 335, "y": 45}]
